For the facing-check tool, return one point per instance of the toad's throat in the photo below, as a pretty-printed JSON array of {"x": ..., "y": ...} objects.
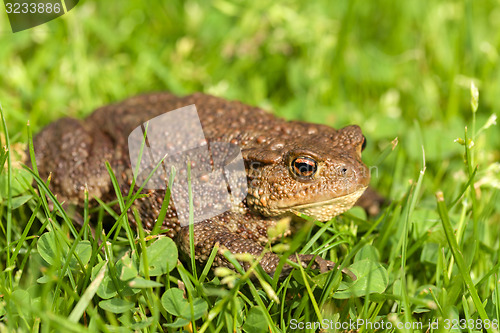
[
  {"x": 326, "y": 210},
  {"x": 323, "y": 210}
]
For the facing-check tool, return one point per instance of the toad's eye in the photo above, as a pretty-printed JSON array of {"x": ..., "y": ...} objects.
[
  {"x": 304, "y": 166},
  {"x": 363, "y": 146}
]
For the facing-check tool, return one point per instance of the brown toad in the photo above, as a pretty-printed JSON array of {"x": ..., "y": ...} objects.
[{"x": 292, "y": 167}]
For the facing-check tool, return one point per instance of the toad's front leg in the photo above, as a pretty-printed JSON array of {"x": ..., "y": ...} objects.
[{"x": 240, "y": 237}]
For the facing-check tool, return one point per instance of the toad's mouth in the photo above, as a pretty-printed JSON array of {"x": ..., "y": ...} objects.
[{"x": 327, "y": 209}]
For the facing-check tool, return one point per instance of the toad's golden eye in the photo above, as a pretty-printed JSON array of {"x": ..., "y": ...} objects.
[
  {"x": 364, "y": 143},
  {"x": 304, "y": 166}
]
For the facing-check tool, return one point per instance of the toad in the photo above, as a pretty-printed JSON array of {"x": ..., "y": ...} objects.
[{"x": 292, "y": 168}]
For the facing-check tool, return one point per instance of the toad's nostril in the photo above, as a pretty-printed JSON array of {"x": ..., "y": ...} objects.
[{"x": 344, "y": 171}]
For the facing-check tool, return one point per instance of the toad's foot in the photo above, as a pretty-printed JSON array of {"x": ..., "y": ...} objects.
[{"x": 318, "y": 262}]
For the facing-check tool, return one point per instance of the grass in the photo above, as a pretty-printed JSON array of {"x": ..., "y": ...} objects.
[{"x": 398, "y": 69}]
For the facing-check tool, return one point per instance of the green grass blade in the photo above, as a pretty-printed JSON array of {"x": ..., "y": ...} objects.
[
  {"x": 87, "y": 296},
  {"x": 457, "y": 254},
  {"x": 8, "y": 232}
]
